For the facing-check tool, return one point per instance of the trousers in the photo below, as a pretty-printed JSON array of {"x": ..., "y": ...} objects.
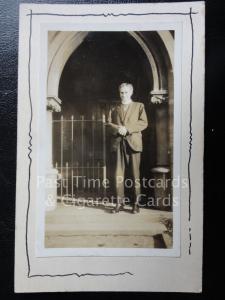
[{"x": 127, "y": 172}]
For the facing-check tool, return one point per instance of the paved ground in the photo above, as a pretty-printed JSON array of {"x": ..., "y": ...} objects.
[{"x": 97, "y": 227}]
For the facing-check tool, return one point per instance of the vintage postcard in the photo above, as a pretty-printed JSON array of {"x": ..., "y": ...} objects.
[{"x": 110, "y": 147}]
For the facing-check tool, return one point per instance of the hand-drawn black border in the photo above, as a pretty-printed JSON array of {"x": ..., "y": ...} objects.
[{"x": 31, "y": 14}]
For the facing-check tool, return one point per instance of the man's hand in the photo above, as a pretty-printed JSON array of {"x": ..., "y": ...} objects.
[{"x": 122, "y": 130}]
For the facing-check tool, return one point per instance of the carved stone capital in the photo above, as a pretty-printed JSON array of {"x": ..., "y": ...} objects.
[
  {"x": 53, "y": 104},
  {"x": 158, "y": 96},
  {"x": 160, "y": 170}
]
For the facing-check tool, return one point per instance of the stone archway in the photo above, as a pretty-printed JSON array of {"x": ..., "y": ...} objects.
[{"x": 158, "y": 48}]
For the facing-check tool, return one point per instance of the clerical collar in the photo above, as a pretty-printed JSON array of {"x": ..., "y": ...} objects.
[{"x": 124, "y": 103}]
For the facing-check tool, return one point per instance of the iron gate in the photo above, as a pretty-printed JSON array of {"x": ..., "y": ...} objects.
[{"x": 79, "y": 155}]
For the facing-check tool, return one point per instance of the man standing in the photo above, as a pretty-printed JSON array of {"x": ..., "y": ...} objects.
[{"x": 126, "y": 121}]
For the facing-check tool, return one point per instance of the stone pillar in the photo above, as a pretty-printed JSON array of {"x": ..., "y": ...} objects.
[
  {"x": 159, "y": 99},
  {"x": 53, "y": 105},
  {"x": 161, "y": 171}
]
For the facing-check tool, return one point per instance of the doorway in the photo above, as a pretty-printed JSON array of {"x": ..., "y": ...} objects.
[{"x": 88, "y": 87}]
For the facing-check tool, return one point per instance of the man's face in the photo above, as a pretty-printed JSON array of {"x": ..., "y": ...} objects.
[{"x": 125, "y": 93}]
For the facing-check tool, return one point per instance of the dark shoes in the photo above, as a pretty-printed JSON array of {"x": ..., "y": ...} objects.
[
  {"x": 136, "y": 209},
  {"x": 117, "y": 209}
]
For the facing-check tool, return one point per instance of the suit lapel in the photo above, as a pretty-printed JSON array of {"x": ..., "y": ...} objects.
[
  {"x": 128, "y": 112},
  {"x": 120, "y": 113},
  {"x": 124, "y": 115}
]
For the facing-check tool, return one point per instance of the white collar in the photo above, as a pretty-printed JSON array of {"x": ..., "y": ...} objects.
[{"x": 126, "y": 102}]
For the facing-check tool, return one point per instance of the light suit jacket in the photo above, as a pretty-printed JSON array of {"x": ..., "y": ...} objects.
[{"x": 135, "y": 121}]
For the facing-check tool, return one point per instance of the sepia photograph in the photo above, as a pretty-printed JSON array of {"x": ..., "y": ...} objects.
[{"x": 110, "y": 139}]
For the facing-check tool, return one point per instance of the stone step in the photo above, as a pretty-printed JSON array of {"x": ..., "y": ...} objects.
[
  {"x": 94, "y": 226},
  {"x": 106, "y": 241}
]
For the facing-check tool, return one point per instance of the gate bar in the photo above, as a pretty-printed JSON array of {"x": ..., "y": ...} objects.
[
  {"x": 72, "y": 154},
  {"x": 61, "y": 156}
]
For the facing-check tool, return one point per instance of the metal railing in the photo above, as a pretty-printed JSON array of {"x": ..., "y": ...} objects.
[{"x": 79, "y": 155}]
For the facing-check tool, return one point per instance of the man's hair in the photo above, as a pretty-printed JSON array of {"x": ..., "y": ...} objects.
[{"x": 126, "y": 84}]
